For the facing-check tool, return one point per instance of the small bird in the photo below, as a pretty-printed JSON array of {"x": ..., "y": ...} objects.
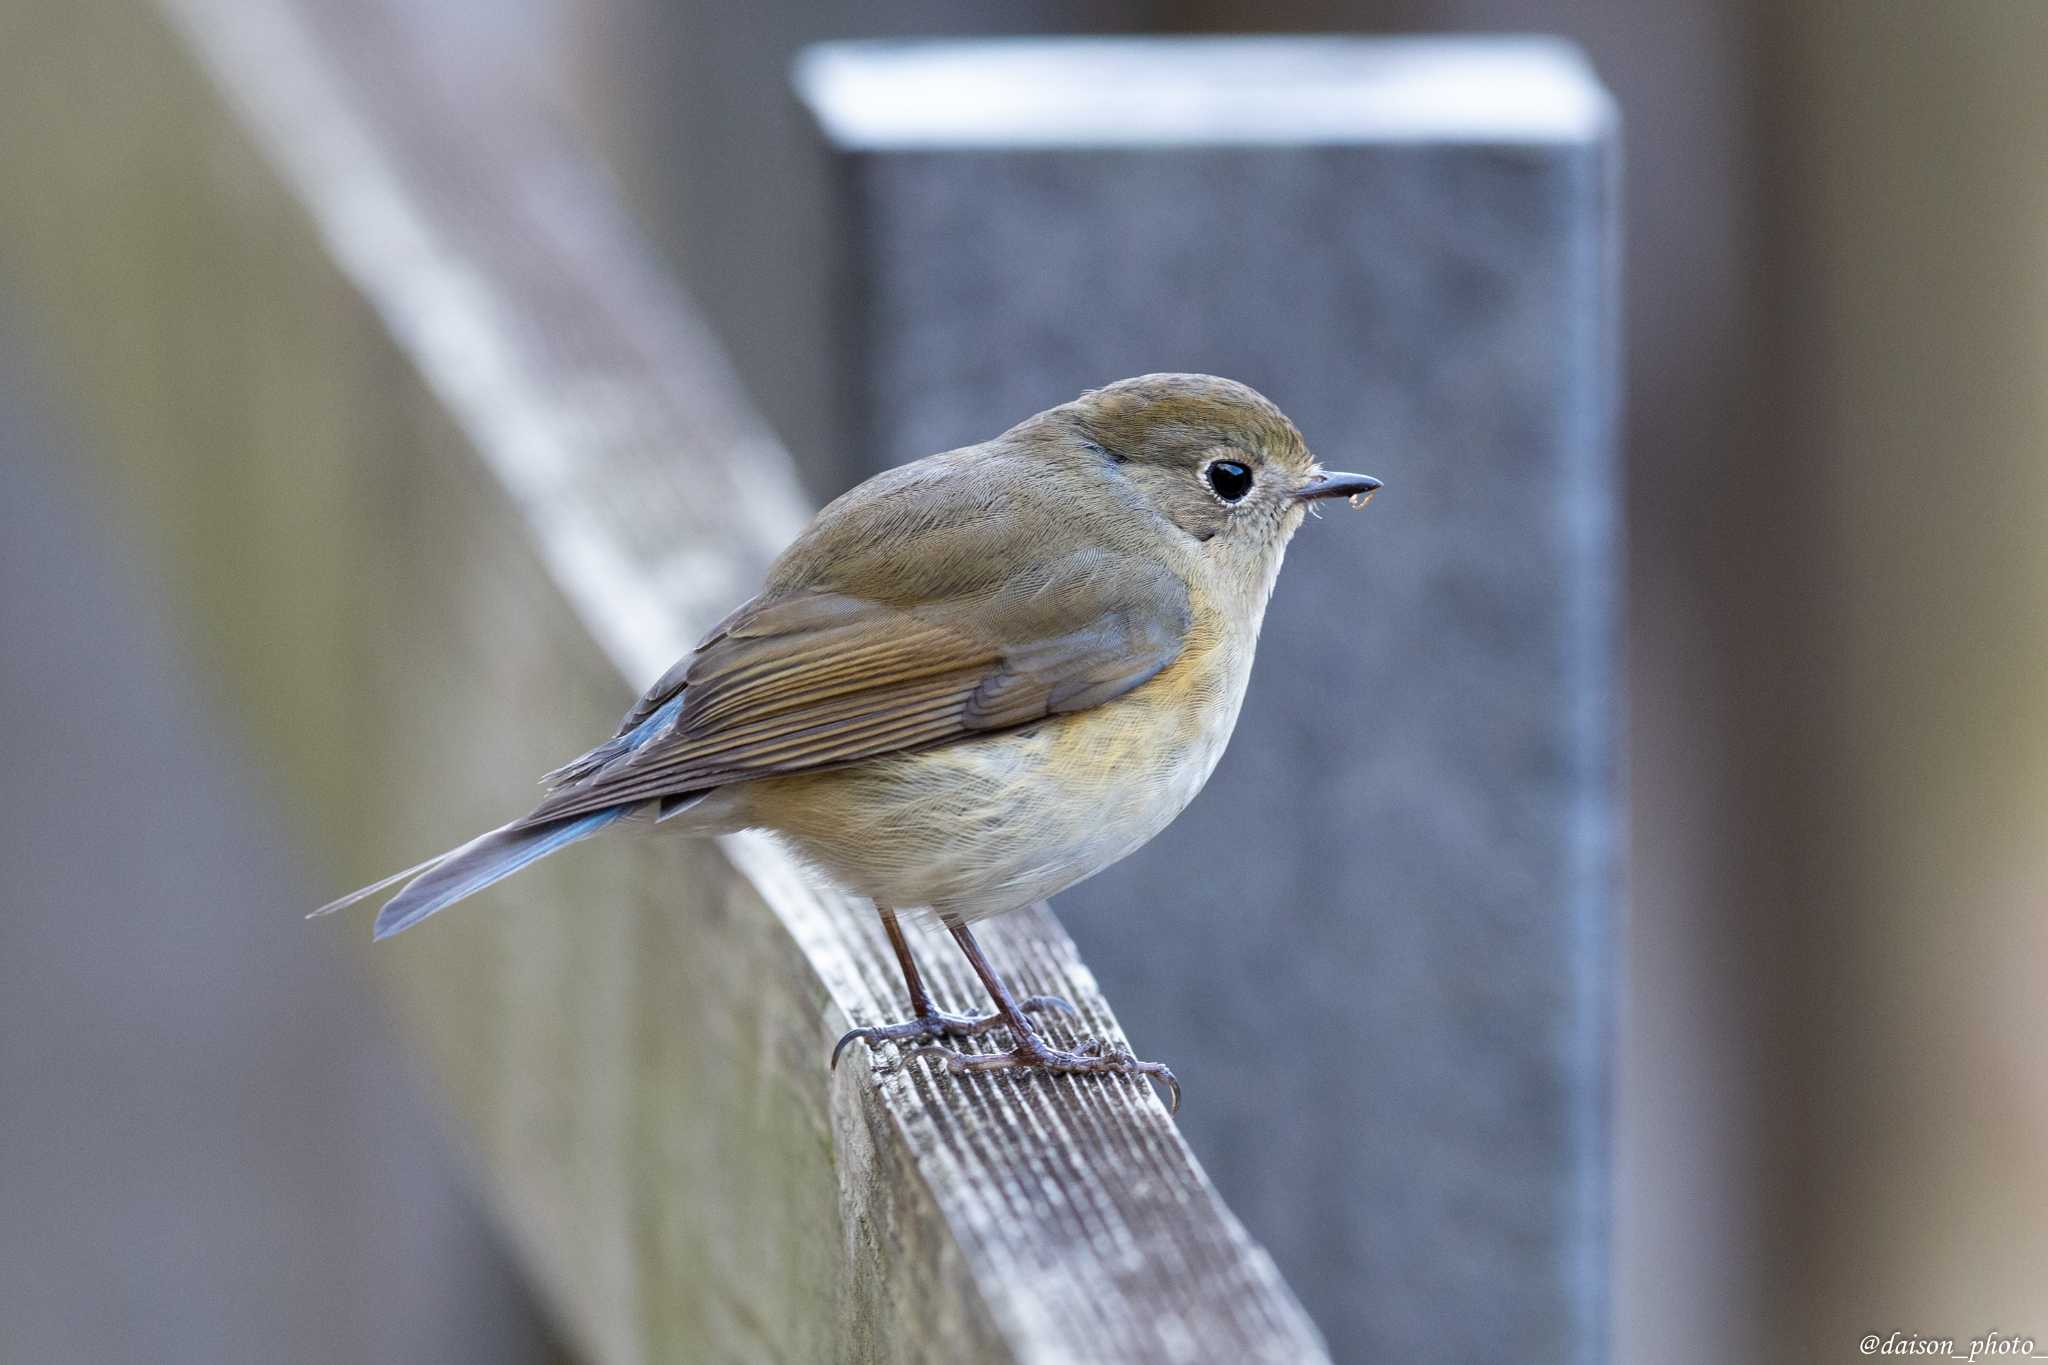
[{"x": 972, "y": 681}]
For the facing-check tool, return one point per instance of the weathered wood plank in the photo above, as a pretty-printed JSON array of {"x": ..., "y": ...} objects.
[{"x": 455, "y": 469}]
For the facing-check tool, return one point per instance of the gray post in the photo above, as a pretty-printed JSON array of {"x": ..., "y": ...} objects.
[{"x": 1380, "y": 948}]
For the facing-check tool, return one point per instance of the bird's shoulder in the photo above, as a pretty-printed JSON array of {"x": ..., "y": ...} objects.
[{"x": 957, "y": 523}]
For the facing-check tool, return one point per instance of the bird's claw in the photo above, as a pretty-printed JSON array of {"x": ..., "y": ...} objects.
[
  {"x": 1092, "y": 1057},
  {"x": 939, "y": 1024}
]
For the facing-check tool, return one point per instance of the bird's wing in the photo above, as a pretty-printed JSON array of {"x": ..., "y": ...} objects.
[
  {"x": 817, "y": 677},
  {"x": 651, "y": 713}
]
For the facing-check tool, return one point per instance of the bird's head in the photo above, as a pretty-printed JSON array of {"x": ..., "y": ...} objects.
[{"x": 1213, "y": 458}]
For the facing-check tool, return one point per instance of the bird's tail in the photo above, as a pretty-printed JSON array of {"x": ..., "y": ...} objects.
[{"x": 462, "y": 872}]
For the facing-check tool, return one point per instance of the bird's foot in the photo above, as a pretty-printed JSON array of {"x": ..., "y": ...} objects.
[
  {"x": 939, "y": 1024},
  {"x": 1033, "y": 1053}
]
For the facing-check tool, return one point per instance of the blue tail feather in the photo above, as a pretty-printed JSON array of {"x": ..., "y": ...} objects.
[
  {"x": 488, "y": 858},
  {"x": 482, "y": 861}
]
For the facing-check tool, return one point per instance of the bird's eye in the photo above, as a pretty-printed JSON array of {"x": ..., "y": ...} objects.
[{"x": 1230, "y": 479}]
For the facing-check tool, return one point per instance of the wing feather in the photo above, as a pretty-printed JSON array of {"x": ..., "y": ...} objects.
[{"x": 810, "y": 676}]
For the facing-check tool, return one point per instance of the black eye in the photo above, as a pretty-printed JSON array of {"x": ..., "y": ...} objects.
[{"x": 1230, "y": 479}]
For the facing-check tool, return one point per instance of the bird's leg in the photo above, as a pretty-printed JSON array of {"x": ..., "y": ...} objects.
[
  {"x": 1032, "y": 1052},
  {"x": 930, "y": 1020}
]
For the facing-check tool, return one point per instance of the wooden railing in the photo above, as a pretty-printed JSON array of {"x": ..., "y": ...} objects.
[{"x": 453, "y": 469}]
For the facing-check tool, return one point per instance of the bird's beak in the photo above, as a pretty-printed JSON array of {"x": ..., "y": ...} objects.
[{"x": 1357, "y": 487}]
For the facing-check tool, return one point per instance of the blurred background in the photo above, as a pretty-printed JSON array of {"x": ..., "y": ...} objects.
[{"x": 1832, "y": 1101}]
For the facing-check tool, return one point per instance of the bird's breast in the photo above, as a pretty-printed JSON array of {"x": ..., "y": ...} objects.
[{"x": 1163, "y": 737}]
